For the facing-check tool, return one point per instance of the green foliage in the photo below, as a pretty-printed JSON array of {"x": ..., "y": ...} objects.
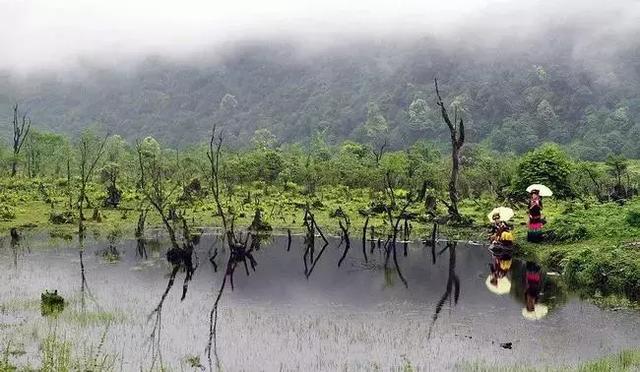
[
  {"x": 626, "y": 360},
  {"x": 548, "y": 165},
  {"x": 566, "y": 230},
  {"x": 375, "y": 127},
  {"x": 633, "y": 218},
  {"x": 51, "y": 303},
  {"x": 7, "y": 212},
  {"x": 58, "y": 355},
  {"x": 55, "y": 354},
  {"x": 5, "y": 364}
]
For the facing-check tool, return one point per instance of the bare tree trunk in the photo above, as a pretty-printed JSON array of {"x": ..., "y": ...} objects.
[
  {"x": 456, "y": 129},
  {"x": 19, "y": 135}
]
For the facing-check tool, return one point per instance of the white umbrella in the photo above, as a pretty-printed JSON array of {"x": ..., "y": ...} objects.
[
  {"x": 503, "y": 286},
  {"x": 539, "y": 311},
  {"x": 542, "y": 189},
  {"x": 505, "y": 213}
]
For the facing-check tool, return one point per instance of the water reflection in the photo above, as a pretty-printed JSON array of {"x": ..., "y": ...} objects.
[
  {"x": 239, "y": 252},
  {"x": 453, "y": 285},
  {"x": 180, "y": 258},
  {"x": 501, "y": 259},
  {"x": 347, "y": 312},
  {"x": 533, "y": 310}
]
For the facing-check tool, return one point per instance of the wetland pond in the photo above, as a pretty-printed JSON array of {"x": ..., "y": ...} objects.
[{"x": 359, "y": 316}]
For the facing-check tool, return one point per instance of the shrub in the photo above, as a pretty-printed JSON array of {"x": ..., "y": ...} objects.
[
  {"x": 59, "y": 218},
  {"x": 568, "y": 231},
  {"x": 548, "y": 165},
  {"x": 7, "y": 213},
  {"x": 633, "y": 218}
]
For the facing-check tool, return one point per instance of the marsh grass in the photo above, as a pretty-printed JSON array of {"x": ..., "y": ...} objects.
[
  {"x": 59, "y": 355},
  {"x": 92, "y": 318},
  {"x": 19, "y": 304},
  {"x": 5, "y": 362},
  {"x": 627, "y": 360}
]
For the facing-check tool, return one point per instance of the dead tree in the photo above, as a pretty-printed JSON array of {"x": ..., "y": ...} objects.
[
  {"x": 89, "y": 157},
  {"x": 377, "y": 153},
  {"x": 153, "y": 186},
  {"x": 20, "y": 133},
  {"x": 213, "y": 154},
  {"x": 456, "y": 130},
  {"x": 238, "y": 251}
]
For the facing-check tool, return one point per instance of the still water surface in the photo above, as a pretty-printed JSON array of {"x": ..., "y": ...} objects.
[{"x": 356, "y": 317}]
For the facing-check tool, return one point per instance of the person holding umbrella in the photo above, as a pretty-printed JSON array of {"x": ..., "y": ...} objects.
[
  {"x": 500, "y": 231},
  {"x": 536, "y": 220}
]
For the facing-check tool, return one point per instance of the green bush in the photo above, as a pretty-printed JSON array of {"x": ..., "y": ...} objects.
[
  {"x": 568, "y": 231},
  {"x": 633, "y": 218},
  {"x": 548, "y": 165},
  {"x": 7, "y": 213}
]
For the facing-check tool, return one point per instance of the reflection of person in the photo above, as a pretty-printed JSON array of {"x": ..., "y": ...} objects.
[
  {"x": 533, "y": 280},
  {"x": 500, "y": 265},
  {"x": 536, "y": 221}
]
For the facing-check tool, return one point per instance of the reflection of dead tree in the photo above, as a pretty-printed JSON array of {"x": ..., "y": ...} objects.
[
  {"x": 453, "y": 284},
  {"x": 456, "y": 129},
  {"x": 434, "y": 240},
  {"x": 84, "y": 286},
  {"x": 309, "y": 240},
  {"x": 15, "y": 245},
  {"x": 139, "y": 234},
  {"x": 390, "y": 244},
  {"x": 364, "y": 239},
  {"x": 344, "y": 227},
  {"x": 238, "y": 254}
]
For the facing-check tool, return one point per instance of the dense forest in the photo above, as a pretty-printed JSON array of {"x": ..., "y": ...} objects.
[{"x": 512, "y": 98}]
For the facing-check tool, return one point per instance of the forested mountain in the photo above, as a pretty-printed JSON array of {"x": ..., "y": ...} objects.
[{"x": 514, "y": 96}]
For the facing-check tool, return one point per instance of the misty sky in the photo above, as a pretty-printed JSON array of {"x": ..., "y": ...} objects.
[{"x": 44, "y": 34}]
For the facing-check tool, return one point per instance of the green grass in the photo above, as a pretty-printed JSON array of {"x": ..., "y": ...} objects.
[
  {"x": 59, "y": 355},
  {"x": 627, "y": 360},
  {"x": 92, "y": 318}
]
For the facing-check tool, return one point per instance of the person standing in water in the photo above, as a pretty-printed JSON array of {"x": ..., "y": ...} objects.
[{"x": 536, "y": 222}]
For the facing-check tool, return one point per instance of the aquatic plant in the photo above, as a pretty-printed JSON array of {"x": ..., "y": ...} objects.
[
  {"x": 57, "y": 356},
  {"x": 51, "y": 303}
]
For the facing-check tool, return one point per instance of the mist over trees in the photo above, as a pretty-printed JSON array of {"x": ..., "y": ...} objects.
[{"x": 512, "y": 97}]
